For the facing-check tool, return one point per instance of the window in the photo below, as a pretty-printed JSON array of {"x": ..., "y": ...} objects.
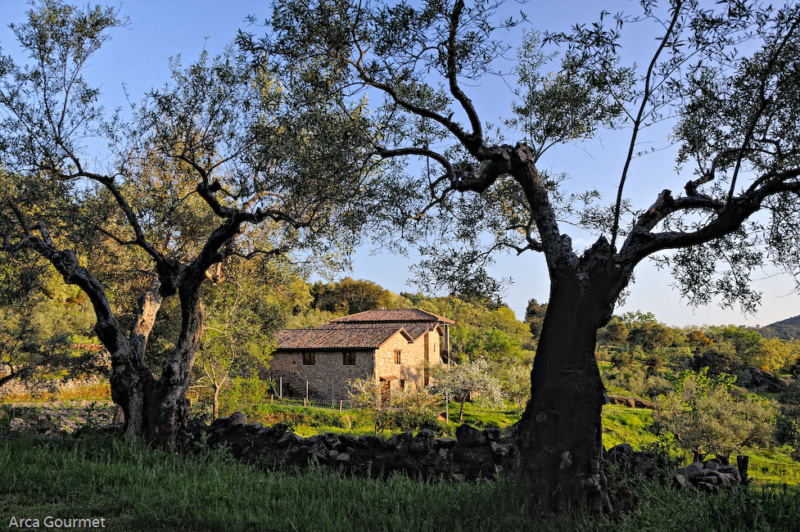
[
  {"x": 309, "y": 358},
  {"x": 349, "y": 358},
  {"x": 402, "y": 384},
  {"x": 397, "y": 356}
]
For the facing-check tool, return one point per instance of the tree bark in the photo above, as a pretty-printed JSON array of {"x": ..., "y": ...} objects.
[
  {"x": 216, "y": 401},
  {"x": 168, "y": 410},
  {"x": 560, "y": 433}
]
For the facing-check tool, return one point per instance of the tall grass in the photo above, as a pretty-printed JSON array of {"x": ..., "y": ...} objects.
[{"x": 136, "y": 488}]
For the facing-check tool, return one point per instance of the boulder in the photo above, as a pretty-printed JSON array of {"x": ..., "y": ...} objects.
[
  {"x": 767, "y": 381},
  {"x": 236, "y": 419},
  {"x": 401, "y": 442},
  {"x": 345, "y": 441},
  {"x": 423, "y": 442},
  {"x": 288, "y": 440},
  {"x": 690, "y": 471},
  {"x": 318, "y": 450},
  {"x": 469, "y": 436}
]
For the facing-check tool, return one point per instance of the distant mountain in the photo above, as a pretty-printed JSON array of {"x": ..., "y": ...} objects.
[{"x": 785, "y": 329}]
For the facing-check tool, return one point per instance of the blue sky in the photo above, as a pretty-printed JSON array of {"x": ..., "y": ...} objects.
[{"x": 137, "y": 56}]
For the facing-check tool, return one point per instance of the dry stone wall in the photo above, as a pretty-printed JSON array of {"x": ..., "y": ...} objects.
[{"x": 473, "y": 454}]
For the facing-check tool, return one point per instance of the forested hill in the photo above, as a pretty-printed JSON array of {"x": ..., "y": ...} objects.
[{"x": 787, "y": 329}]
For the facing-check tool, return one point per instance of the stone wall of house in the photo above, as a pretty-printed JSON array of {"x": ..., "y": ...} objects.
[
  {"x": 327, "y": 377},
  {"x": 412, "y": 359}
]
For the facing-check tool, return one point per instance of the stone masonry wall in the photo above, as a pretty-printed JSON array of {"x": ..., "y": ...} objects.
[
  {"x": 328, "y": 374},
  {"x": 412, "y": 359}
]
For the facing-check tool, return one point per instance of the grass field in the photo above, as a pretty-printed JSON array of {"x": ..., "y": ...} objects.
[{"x": 135, "y": 488}]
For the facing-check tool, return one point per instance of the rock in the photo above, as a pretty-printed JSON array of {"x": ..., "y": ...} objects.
[
  {"x": 713, "y": 465},
  {"x": 330, "y": 439},
  {"x": 692, "y": 470},
  {"x": 237, "y": 418},
  {"x": 255, "y": 427},
  {"x": 680, "y": 480},
  {"x": 319, "y": 450},
  {"x": 370, "y": 442},
  {"x": 500, "y": 449},
  {"x": 732, "y": 471},
  {"x": 476, "y": 462},
  {"x": 469, "y": 436},
  {"x": 422, "y": 443},
  {"x": 621, "y": 450},
  {"x": 343, "y": 457},
  {"x": 17, "y": 424},
  {"x": 288, "y": 440},
  {"x": 492, "y": 434},
  {"x": 347, "y": 440},
  {"x": 767, "y": 381},
  {"x": 705, "y": 486},
  {"x": 446, "y": 443},
  {"x": 443, "y": 453},
  {"x": 458, "y": 477},
  {"x": 400, "y": 442}
]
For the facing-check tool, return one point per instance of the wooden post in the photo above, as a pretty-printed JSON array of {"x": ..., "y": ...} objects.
[
  {"x": 271, "y": 399},
  {"x": 280, "y": 391},
  {"x": 340, "y": 406},
  {"x": 305, "y": 402}
]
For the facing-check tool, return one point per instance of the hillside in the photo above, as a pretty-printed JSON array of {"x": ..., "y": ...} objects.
[{"x": 787, "y": 329}]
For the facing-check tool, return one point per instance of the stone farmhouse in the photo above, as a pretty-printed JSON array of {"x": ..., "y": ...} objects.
[{"x": 395, "y": 347}]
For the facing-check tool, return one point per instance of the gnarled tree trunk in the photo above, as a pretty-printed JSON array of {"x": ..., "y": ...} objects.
[{"x": 560, "y": 433}]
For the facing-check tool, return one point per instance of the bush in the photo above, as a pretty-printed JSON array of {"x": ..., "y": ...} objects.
[
  {"x": 718, "y": 358},
  {"x": 637, "y": 382},
  {"x": 622, "y": 359}
]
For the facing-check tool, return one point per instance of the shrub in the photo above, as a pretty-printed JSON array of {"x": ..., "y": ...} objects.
[
  {"x": 622, "y": 359},
  {"x": 707, "y": 415}
]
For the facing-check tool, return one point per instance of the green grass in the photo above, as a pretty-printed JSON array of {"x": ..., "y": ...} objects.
[
  {"x": 135, "y": 488},
  {"x": 627, "y": 425},
  {"x": 773, "y": 467}
]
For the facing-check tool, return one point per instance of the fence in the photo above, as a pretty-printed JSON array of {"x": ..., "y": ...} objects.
[{"x": 335, "y": 404}]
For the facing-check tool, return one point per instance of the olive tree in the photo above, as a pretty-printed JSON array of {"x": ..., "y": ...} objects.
[
  {"x": 722, "y": 80},
  {"x": 707, "y": 415},
  {"x": 224, "y": 160},
  {"x": 470, "y": 379}
]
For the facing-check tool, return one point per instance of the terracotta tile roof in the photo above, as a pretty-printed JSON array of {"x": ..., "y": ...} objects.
[
  {"x": 414, "y": 329},
  {"x": 393, "y": 315},
  {"x": 366, "y": 336}
]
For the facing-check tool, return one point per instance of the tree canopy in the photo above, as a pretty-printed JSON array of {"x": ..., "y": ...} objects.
[
  {"x": 225, "y": 160},
  {"x": 723, "y": 81}
]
